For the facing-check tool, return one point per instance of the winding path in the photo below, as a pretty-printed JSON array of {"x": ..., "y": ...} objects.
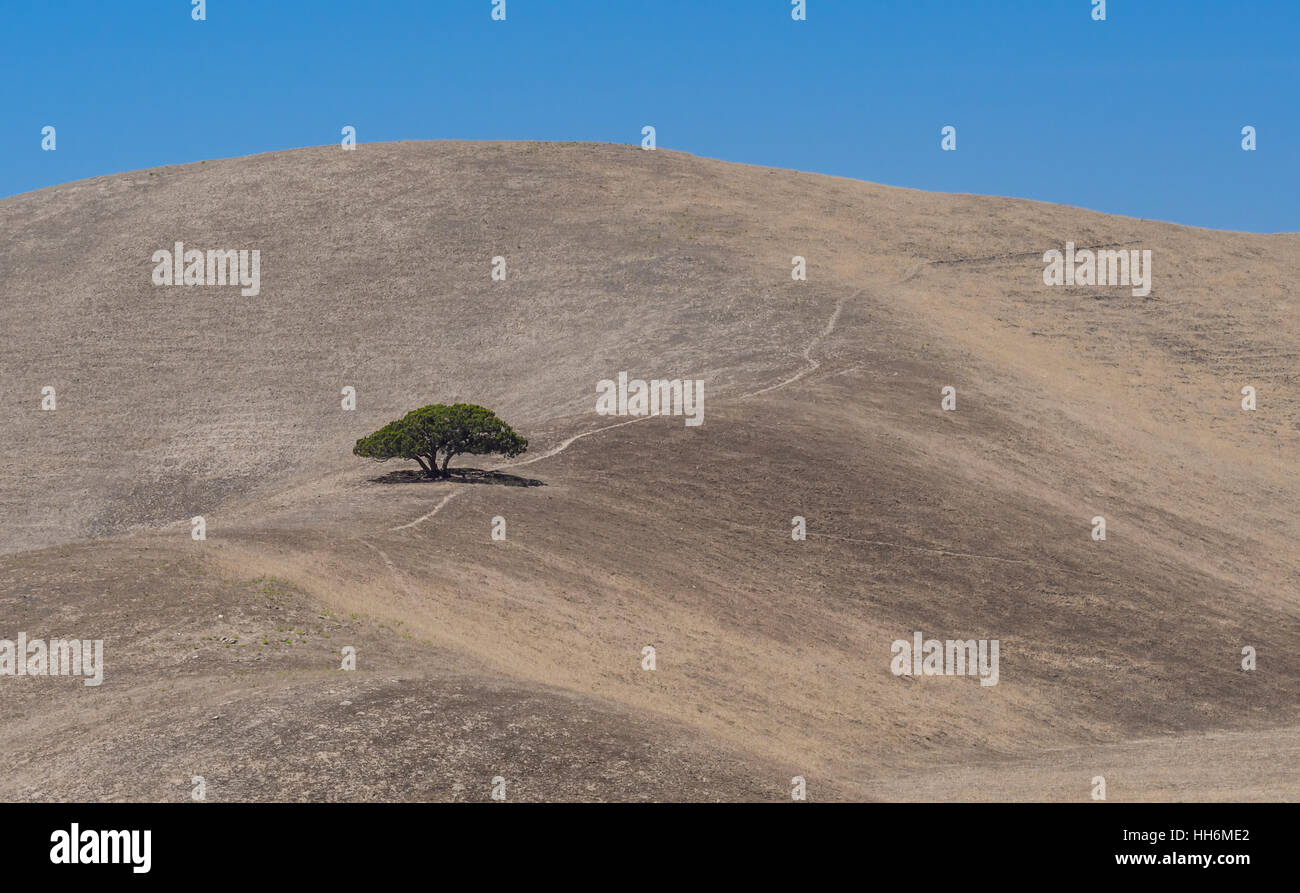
[
  {"x": 546, "y": 455},
  {"x": 812, "y": 365}
]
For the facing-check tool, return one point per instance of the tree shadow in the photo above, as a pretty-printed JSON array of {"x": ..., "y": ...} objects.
[{"x": 458, "y": 476}]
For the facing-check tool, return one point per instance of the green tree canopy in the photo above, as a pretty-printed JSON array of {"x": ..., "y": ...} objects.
[{"x": 426, "y": 433}]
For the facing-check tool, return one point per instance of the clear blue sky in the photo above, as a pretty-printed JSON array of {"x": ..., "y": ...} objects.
[{"x": 1138, "y": 115}]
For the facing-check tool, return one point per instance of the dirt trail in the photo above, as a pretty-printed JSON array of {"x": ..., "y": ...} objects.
[
  {"x": 1075, "y": 402},
  {"x": 812, "y": 366}
]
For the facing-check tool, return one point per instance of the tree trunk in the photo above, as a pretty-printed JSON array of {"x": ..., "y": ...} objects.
[
  {"x": 430, "y": 469},
  {"x": 446, "y": 459}
]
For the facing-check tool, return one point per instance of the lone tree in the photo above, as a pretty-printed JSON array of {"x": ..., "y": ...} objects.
[{"x": 424, "y": 434}]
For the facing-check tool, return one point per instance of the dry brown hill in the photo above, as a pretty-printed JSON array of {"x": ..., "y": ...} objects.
[{"x": 522, "y": 658}]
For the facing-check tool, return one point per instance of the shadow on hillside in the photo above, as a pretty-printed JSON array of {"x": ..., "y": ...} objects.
[{"x": 458, "y": 476}]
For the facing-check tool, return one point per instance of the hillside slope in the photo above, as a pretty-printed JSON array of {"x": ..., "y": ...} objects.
[{"x": 522, "y": 658}]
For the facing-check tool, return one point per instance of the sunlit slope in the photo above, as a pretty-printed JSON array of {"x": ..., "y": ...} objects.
[{"x": 822, "y": 401}]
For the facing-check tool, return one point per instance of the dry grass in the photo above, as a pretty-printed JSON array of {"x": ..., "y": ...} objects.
[{"x": 773, "y": 655}]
